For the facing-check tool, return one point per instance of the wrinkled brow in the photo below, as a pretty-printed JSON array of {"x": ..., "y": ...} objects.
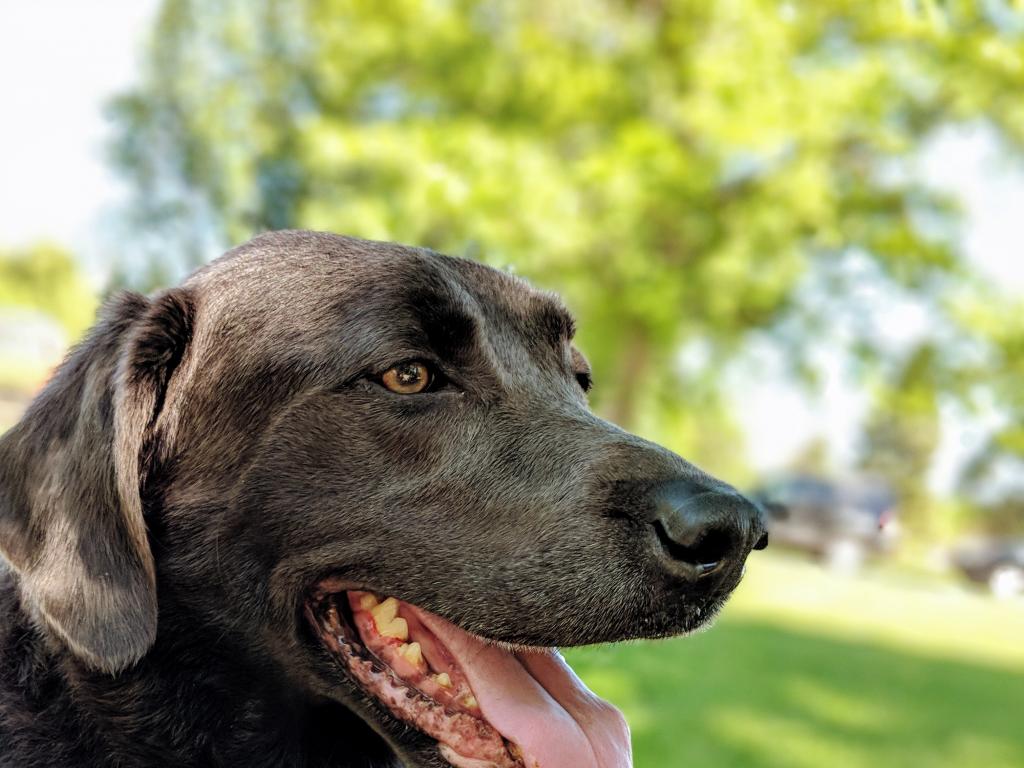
[
  {"x": 448, "y": 328},
  {"x": 554, "y": 323}
]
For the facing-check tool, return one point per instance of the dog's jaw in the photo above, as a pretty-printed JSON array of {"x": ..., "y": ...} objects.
[
  {"x": 407, "y": 697},
  {"x": 427, "y": 673}
]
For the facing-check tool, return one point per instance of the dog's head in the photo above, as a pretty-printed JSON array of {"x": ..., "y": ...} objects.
[{"x": 314, "y": 424}]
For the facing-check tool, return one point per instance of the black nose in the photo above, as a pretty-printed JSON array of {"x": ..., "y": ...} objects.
[{"x": 703, "y": 530}]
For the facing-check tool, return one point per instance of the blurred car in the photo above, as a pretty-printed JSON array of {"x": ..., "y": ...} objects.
[
  {"x": 997, "y": 563},
  {"x": 842, "y": 523}
]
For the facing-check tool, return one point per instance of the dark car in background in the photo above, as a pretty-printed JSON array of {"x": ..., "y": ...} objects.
[
  {"x": 996, "y": 563},
  {"x": 843, "y": 523}
]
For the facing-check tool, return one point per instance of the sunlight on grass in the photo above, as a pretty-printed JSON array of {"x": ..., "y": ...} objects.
[
  {"x": 937, "y": 616},
  {"x": 838, "y": 708}
]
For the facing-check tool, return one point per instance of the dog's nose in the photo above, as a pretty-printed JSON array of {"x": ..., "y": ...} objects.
[{"x": 703, "y": 530}]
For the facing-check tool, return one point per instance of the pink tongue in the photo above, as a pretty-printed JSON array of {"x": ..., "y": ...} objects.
[{"x": 537, "y": 703}]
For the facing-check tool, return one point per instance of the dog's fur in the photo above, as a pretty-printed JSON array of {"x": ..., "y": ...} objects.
[{"x": 205, "y": 456}]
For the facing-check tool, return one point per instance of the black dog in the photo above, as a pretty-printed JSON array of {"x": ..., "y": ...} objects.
[{"x": 205, "y": 511}]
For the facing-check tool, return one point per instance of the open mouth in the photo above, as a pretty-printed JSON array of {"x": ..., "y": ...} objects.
[{"x": 486, "y": 706}]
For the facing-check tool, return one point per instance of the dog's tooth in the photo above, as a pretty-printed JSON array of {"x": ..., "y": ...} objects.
[
  {"x": 385, "y": 612},
  {"x": 469, "y": 701},
  {"x": 397, "y": 628},
  {"x": 412, "y": 653},
  {"x": 367, "y": 601},
  {"x": 443, "y": 679}
]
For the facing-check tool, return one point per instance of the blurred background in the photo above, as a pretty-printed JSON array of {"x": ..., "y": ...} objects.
[{"x": 791, "y": 232}]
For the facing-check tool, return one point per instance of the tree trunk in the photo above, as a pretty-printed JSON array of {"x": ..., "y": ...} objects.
[{"x": 621, "y": 407}]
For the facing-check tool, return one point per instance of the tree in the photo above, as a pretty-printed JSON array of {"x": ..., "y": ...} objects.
[
  {"x": 47, "y": 279},
  {"x": 902, "y": 434},
  {"x": 45, "y": 304},
  {"x": 994, "y": 478},
  {"x": 675, "y": 167}
]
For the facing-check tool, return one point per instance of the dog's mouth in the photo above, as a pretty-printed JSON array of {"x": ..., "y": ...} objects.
[{"x": 487, "y": 706}]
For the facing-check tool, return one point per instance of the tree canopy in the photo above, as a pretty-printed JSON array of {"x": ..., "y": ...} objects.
[
  {"x": 46, "y": 278},
  {"x": 677, "y": 168}
]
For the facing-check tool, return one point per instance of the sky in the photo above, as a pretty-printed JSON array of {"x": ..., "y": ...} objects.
[{"x": 61, "y": 60}]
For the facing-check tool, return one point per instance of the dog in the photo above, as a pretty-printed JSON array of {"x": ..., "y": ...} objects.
[{"x": 334, "y": 502}]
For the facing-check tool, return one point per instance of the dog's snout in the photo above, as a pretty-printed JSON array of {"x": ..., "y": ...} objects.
[{"x": 703, "y": 530}]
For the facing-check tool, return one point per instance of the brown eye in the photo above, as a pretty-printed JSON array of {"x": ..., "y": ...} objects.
[{"x": 407, "y": 378}]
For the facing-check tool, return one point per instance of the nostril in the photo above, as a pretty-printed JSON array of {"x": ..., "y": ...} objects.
[
  {"x": 706, "y": 554},
  {"x": 762, "y": 543}
]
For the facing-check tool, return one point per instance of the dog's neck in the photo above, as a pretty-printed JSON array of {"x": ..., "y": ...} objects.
[{"x": 193, "y": 700}]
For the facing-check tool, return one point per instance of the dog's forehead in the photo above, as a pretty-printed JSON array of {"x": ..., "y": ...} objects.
[
  {"x": 299, "y": 278},
  {"x": 506, "y": 301}
]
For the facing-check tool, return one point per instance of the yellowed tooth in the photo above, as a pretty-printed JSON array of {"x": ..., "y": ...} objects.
[
  {"x": 368, "y": 601},
  {"x": 397, "y": 628},
  {"x": 469, "y": 701},
  {"x": 442, "y": 679},
  {"x": 385, "y": 612},
  {"x": 412, "y": 653}
]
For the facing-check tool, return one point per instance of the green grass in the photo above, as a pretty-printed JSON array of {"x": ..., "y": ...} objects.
[{"x": 809, "y": 669}]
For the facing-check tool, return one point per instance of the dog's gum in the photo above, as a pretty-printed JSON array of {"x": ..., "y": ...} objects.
[
  {"x": 426, "y": 713},
  {"x": 432, "y": 694},
  {"x": 380, "y": 630}
]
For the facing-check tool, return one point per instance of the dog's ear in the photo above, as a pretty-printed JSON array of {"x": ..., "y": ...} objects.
[{"x": 71, "y": 520}]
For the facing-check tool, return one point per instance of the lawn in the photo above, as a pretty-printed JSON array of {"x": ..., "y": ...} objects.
[{"x": 810, "y": 669}]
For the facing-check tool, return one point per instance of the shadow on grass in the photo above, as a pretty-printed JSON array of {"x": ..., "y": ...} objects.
[{"x": 757, "y": 694}]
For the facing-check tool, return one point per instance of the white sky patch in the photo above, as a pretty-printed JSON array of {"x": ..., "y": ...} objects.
[
  {"x": 968, "y": 162},
  {"x": 60, "y": 61},
  {"x": 781, "y": 419},
  {"x": 963, "y": 436}
]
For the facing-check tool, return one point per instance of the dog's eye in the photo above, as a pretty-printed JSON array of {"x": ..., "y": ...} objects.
[
  {"x": 408, "y": 378},
  {"x": 585, "y": 380}
]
